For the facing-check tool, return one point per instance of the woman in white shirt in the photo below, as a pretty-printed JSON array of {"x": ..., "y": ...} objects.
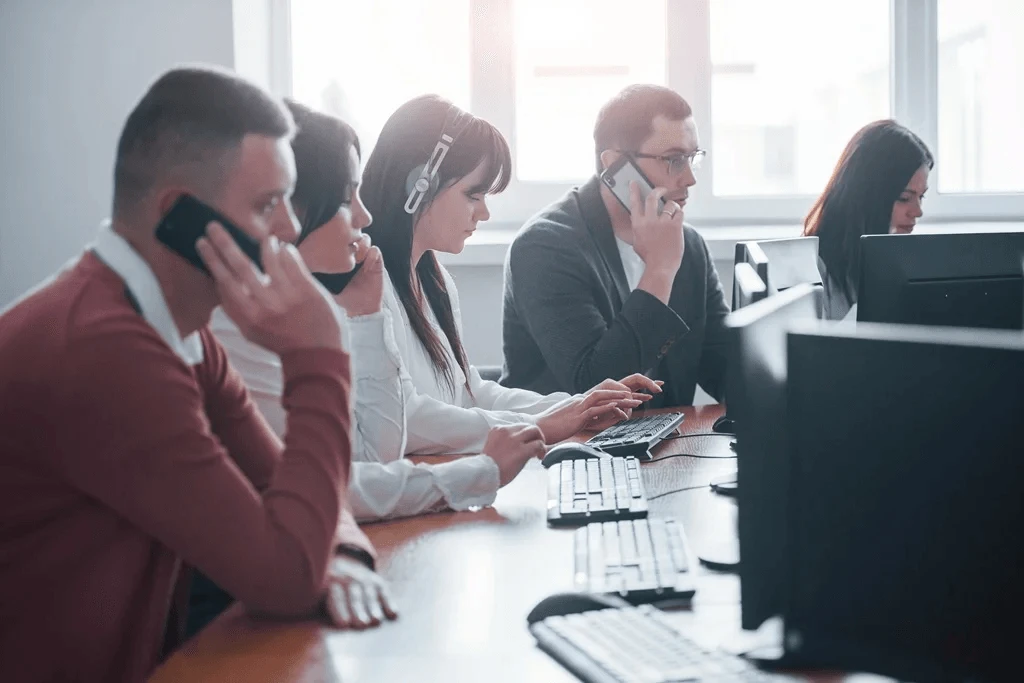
[
  {"x": 425, "y": 183},
  {"x": 331, "y": 217}
]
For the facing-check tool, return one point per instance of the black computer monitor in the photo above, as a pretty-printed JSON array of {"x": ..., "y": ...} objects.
[
  {"x": 748, "y": 287},
  {"x": 755, "y": 388},
  {"x": 906, "y": 501},
  {"x": 953, "y": 279}
]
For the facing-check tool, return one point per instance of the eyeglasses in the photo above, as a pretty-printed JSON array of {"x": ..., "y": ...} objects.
[{"x": 676, "y": 163}]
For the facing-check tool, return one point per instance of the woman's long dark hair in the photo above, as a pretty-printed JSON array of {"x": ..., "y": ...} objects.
[
  {"x": 407, "y": 141},
  {"x": 872, "y": 173},
  {"x": 322, "y": 148}
]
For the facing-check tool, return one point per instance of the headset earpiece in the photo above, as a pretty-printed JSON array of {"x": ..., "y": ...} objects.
[
  {"x": 419, "y": 181},
  {"x": 422, "y": 180}
]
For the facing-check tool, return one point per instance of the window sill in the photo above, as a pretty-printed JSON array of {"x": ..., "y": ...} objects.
[{"x": 489, "y": 245}]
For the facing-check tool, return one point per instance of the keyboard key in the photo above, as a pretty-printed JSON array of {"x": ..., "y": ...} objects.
[
  {"x": 579, "y": 476},
  {"x": 593, "y": 475},
  {"x": 676, "y": 549},
  {"x": 612, "y": 551},
  {"x": 628, "y": 544}
]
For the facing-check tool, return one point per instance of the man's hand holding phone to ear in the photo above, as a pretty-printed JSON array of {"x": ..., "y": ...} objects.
[
  {"x": 281, "y": 309},
  {"x": 657, "y": 239}
]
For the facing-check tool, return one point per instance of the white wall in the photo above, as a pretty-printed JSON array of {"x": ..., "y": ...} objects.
[{"x": 70, "y": 71}]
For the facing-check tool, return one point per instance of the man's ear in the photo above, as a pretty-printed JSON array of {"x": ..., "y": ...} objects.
[
  {"x": 608, "y": 157},
  {"x": 166, "y": 198}
]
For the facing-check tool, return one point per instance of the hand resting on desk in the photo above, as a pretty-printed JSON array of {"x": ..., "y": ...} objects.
[{"x": 357, "y": 597}]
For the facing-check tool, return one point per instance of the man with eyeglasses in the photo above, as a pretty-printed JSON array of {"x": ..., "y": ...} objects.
[{"x": 595, "y": 290}]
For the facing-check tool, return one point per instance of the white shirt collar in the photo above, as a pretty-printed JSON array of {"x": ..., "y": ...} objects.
[{"x": 119, "y": 256}]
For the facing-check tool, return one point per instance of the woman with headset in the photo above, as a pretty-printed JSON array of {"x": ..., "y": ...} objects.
[
  {"x": 331, "y": 218},
  {"x": 425, "y": 184}
]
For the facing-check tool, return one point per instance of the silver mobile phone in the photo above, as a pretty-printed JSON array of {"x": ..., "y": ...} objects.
[{"x": 620, "y": 174}]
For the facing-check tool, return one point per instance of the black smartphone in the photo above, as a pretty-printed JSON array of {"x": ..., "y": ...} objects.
[
  {"x": 335, "y": 282},
  {"x": 186, "y": 222},
  {"x": 618, "y": 176}
]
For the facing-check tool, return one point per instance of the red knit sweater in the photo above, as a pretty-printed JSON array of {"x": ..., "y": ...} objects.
[{"x": 118, "y": 461}]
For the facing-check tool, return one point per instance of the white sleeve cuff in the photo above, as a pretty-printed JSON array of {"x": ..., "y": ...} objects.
[{"x": 468, "y": 482}]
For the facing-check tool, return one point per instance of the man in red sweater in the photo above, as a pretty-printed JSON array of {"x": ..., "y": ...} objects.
[{"x": 129, "y": 445}]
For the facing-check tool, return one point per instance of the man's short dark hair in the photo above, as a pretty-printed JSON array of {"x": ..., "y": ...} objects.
[
  {"x": 626, "y": 120},
  {"x": 190, "y": 122}
]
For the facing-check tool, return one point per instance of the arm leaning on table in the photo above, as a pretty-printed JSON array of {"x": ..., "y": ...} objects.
[
  {"x": 259, "y": 518},
  {"x": 382, "y": 484}
]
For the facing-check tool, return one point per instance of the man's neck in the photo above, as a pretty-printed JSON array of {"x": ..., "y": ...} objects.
[
  {"x": 189, "y": 293},
  {"x": 622, "y": 226}
]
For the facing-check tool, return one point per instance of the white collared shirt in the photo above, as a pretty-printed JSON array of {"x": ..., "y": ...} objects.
[
  {"x": 382, "y": 484},
  {"x": 120, "y": 257},
  {"x": 443, "y": 421},
  {"x": 632, "y": 264}
]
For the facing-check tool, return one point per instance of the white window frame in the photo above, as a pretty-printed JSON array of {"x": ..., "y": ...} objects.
[{"x": 914, "y": 102}]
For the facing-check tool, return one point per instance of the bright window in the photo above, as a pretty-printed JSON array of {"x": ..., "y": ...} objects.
[
  {"x": 781, "y": 112},
  {"x": 777, "y": 87},
  {"x": 571, "y": 56},
  {"x": 361, "y": 60},
  {"x": 981, "y": 97}
]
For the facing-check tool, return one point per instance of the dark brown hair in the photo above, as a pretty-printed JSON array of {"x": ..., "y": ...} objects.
[
  {"x": 872, "y": 173},
  {"x": 190, "y": 121},
  {"x": 626, "y": 120},
  {"x": 322, "y": 148},
  {"x": 406, "y": 142}
]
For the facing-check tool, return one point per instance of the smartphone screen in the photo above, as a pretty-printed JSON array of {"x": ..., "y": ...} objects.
[
  {"x": 335, "y": 282},
  {"x": 620, "y": 174},
  {"x": 186, "y": 222}
]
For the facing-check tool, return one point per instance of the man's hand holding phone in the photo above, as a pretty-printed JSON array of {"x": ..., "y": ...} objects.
[
  {"x": 657, "y": 239},
  {"x": 282, "y": 309}
]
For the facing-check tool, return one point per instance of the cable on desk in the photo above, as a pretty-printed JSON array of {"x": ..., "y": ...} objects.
[
  {"x": 693, "y": 455},
  {"x": 685, "y": 488},
  {"x": 686, "y": 436}
]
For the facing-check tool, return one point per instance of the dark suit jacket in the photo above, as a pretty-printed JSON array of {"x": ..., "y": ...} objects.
[{"x": 570, "y": 321}]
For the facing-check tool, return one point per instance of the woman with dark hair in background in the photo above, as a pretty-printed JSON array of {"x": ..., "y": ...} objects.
[
  {"x": 425, "y": 183},
  {"x": 876, "y": 189}
]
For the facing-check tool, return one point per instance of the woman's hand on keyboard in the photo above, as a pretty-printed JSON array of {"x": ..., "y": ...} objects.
[
  {"x": 642, "y": 386},
  {"x": 596, "y": 407}
]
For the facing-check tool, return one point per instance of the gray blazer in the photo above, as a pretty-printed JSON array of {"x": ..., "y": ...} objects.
[{"x": 570, "y": 320}]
